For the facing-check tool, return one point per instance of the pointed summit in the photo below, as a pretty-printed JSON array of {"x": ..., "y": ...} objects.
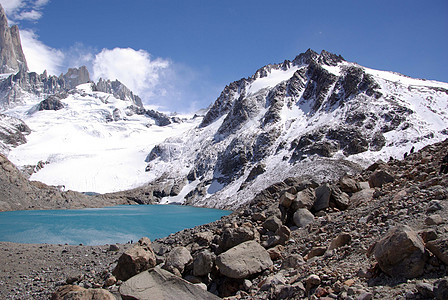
[{"x": 12, "y": 58}]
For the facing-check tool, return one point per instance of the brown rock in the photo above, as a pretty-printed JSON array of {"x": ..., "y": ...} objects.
[
  {"x": 276, "y": 252},
  {"x": 287, "y": 199},
  {"x": 304, "y": 199},
  {"x": 316, "y": 251},
  {"x": 348, "y": 184},
  {"x": 380, "y": 177},
  {"x": 434, "y": 220},
  {"x": 64, "y": 290},
  {"x": 139, "y": 258},
  {"x": 90, "y": 294},
  {"x": 339, "y": 241},
  {"x": 401, "y": 253},
  {"x": 439, "y": 248}
]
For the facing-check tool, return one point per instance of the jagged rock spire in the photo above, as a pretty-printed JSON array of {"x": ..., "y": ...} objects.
[{"x": 12, "y": 58}]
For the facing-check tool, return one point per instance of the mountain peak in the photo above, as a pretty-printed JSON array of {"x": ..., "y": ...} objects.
[{"x": 12, "y": 58}]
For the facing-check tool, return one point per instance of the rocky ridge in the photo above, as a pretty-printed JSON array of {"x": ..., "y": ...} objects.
[
  {"x": 290, "y": 117},
  {"x": 298, "y": 239}
]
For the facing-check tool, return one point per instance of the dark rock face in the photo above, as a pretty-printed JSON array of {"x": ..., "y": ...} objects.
[
  {"x": 13, "y": 87},
  {"x": 12, "y": 132},
  {"x": 12, "y": 58},
  {"x": 53, "y": 102},
  {"x": 119, "y": 90},
  {"x": 160, "y": 119}
]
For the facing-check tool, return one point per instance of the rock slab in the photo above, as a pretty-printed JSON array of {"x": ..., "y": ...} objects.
[
  {"x": 244, "y": 260},
  {"x": 158, "y": 284}
]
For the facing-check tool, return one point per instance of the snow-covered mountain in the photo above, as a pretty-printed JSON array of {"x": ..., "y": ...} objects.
[
  {"x": 87, "y": 140},
  {"x": 316, "y": 116}
]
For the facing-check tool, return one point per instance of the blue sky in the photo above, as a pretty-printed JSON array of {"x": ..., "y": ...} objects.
[{"x": 179, "y": 55}]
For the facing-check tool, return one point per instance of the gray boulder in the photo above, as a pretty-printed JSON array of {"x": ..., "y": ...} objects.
[
  {"x": 304, "y": 199},
  {"x": 139, "y": 258},
  {"x": 157, "y": 283},
  {"x": 234, "y": 236},
  {"x": 203, "y": 263},
  {"x": 272, "y": 223},
  {"x": 178, "y": 258},
  {"x": 401, "y": 253},
  {"x": 244, "y": 260},
  {"x": 303, "y": 217}
]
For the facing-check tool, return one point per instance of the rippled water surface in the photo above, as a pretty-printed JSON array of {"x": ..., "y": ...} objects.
[{"x": 97, "y": 226}]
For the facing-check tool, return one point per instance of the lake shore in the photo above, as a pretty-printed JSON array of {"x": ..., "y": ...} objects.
[{"x": 34, "y": 271}]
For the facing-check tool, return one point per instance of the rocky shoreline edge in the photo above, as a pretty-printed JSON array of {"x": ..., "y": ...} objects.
[{"x": 382, "y": 234}]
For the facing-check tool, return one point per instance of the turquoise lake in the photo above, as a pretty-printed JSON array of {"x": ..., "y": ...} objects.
[{"x": 98, "y": 226}]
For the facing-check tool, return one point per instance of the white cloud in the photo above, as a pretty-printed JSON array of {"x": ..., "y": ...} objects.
[
  {"x": 18, "y": 10},
  {"x": 39, "y": 56},
  {"x": 134, "y": 68}
]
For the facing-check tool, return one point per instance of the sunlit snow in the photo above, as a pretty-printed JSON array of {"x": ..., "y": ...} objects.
[{"x": 82, "y": 151}]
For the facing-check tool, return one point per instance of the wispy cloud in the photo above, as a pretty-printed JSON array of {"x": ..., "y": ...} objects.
[
  {"x": 39, "y": 56},
  {"x": 135, "y": 68},
  {"x": 19, "y": 10}
]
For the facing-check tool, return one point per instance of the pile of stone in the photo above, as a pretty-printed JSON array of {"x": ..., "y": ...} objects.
[{"x": 380, "y": 234}]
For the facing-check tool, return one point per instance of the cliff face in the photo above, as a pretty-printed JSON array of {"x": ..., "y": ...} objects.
[{"x": 12, "y": 58}]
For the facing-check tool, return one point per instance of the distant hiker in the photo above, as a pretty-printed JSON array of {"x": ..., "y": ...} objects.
[
  {"x": 405, "y": 155},
  {"x": 412, "y": 150},
  {"x": 444, "y": 165}
]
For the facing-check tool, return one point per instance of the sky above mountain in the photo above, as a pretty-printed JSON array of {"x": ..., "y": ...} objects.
[{"x": 178, "y": 55}]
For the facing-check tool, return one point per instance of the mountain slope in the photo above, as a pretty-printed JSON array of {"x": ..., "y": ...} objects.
[
  {"x": 90, "y": 141},
  {"x": 314, "y": 116}
]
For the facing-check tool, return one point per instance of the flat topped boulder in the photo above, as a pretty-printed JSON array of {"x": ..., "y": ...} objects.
[
  {"x": 244, "y": 260},
  {"x": 159, "y": 284}
]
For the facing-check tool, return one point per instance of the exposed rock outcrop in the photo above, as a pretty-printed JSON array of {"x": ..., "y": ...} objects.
[
  {"x": 12, "y": 58},
  {"x": 118, "y": 89}
]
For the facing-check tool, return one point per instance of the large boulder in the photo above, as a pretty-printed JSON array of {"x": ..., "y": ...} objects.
[
  {"x": 348, "y": 184},
  {"x": 74, "y": 292},
  {"x": 323, "y": 194},
  {"x": 401, "y": 253},
  {"x": 303, "y": 217},
  {"x": 380, "y": 177},
  {"x": 203, "y": 263},
  {"x": 178, "y": 258},
  {"x": 139, "y": 258},
  {"x": 304, "y": 199},
  {"x": 439, "y": 248},
  {"x": 234, "y": 236},
  {"x": 157, "y": 283},
  {"x": 244, "y": 260}
]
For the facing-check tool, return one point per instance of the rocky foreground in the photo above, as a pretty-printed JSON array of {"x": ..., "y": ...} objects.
[{"x": 382, "y": 234}]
